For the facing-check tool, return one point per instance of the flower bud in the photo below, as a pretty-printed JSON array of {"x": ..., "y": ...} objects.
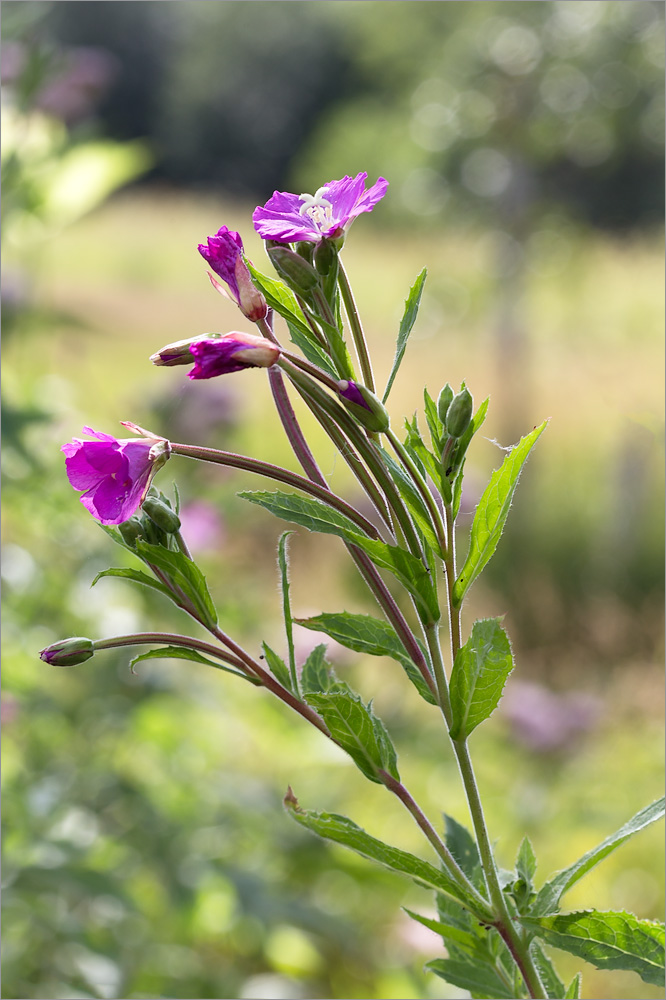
[
  {"x": 444, "y": 401},
  {"x": 177, "y": 353},
  {"x": 161, "y": 514},
  {"x": 251, "y": 301},
  {"x": 365, "y": 406},
  {"x": 131, "y": 530},
  {"x": 325, "y": 256},
  {"x": 298, "y": 274},
  {"x": 305, "y": 249},
  {"x": 459, "y": 413},
  {"x": 68, "y": 652}
]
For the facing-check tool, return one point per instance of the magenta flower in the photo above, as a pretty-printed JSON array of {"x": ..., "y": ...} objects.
[
  {"x": 224, "y": 253},
  {"x": 327, "y": 213},
  {"x": 231, "y": 352},
  {"x": 115, "y": 475}
]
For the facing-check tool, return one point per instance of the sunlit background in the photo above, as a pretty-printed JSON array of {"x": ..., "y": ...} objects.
[{"x": 146, "y": 850}]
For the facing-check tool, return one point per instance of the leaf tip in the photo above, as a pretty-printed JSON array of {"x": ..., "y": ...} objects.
[{"x": 290, "y": 801}]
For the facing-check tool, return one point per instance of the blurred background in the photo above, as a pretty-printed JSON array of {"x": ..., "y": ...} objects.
[{"x": 146, "y": 853}]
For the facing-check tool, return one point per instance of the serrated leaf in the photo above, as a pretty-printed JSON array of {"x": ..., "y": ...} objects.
[
  {"x": 315, "y": 675},
  {"x": 492, "y": 512},
  {"x": 480, "y": 670},
  {"x": 573, "y": 989},
  {"x": 365, "y": 634},
  {"x": 342, "y": 830},
  {"x": 463, "y": 847},
  {"x": 480, "y": 980},
  {"x": 526, "y": 863},
  {"x": 551, "y": 892},
  {"x": 185, "y": 575},
  {"x": 286, "y": 608},
  {"x": 277, "y": 666},
  {"x": 466, "y": 940},
  {"x": 409, "y": 315},
  {"x": 607, "y": 939},
  {"x": 137, "y": 576},
  {"x": 317, "y": 516},
  {"x": 547, "y": 974},
  {"x": 356, "y": 729},
  {"x": 185, "y": 653}
]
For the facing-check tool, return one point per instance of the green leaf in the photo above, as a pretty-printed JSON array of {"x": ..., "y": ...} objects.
[
  {"x": 547, "y": 974},
  {"x": 286, "y": 608},
  {"x": 138, "y": 576},
  {"x": 607, "y": 939},
  {"x": 475, "y": 423},
  {"x": 435, "y": 425},
  {"x": 316, "y": 675},
  {"x": 406, "y": 323},
  {"x": 356, "y": 729},
  {"x": 526, "y": 863},
  {"x": 312, "y": 349},
  {"x": 413, "y": 501},
  {"x": 342, "y": 830},
  {"x": 479, "y": 980},
  {"x": 551, "y": 892},
  {"x": 368, "y": 635},
  {"x": 492, "y": 512},
  {"x": 185, "y": 575},
  {"x": 280, "y": 297},
  {"x": 480, "y": 670},
  {"x": 277, "y": 666},
  {"x": 317, "y": 516},
  {"x": 467, "y": 940},
  {"x": 573, "y": 989},
  {"x": 463, "y": 847},
  {"x": 185, "y": 653}
]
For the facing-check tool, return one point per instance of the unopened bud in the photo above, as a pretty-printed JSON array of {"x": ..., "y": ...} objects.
[
  {"x": 131, "y": 531},
  {"x": 177, "y": 353},
  {"x": 325, "y": 256},
  {"x": 305, "y": 249},
  {"x": 296, "y": 271},
  {"x": 161, "y": 514},
  {"x": 365, "y": 406},
  {"x": 459, "y": 413},
  {"x": 68, "y": 652},
  {"x": 251, "y": 301},
  {"x": 444, "y": 401}
]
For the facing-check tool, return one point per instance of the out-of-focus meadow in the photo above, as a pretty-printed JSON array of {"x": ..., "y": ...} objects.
[{"x": 146, "y": 850}]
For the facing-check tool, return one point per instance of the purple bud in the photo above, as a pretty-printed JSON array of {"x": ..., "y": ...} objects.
[
  {"x": 364, "y": 405},
  {"x": 224, "y": 253},
  {"x": 231, "y": 353},
  {"x": 68, "y": 652}
]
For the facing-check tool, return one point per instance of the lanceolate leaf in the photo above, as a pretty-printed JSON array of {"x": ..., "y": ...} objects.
[
  {"x": 280, "y": 297},
  {"x": 357, "y": 730},
  {"x": 185, "y": 653},
  {"x": 492, "y": 512},
  {"x": 413, "y": 501},
  {"x": 466, "y": 940},
  {"x": 185, "y": 575},
  {"x": 479, "y": 980},
  {"x": 286, "y": 607},
  {"x": 573, "y": 989},
  {"x": 547, "y": 974},
  {"x": 365, "y": 634},
  {"x": 316, "y": 675},
  {"x": 550, "y": 894},
  {"x": 277, "y": 666},
  {"x": 312, "y": 349},
  {"x": 607, "y": 939},
  {"x": 406, "y": 324},
  {"x": 137, "y": 576},
  {"x": 479, "y": 672},
  {"x": 344, "y": 831}
]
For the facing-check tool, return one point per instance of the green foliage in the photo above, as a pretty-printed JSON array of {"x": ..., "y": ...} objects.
[
  {"x": 185, "y": 576},
  {"x": 185, "y": 653},
  {"x": 286, "y": 607},
  {"x": 608, "y": 940},
  {"x": 574, "y": 987},
  {"x": 479, "y": 673},
  {"x": 365, "y": 634},
  {"x": 357, "y": 729},
  {"x": 277, "y": 667},
  {"x": 316, "y": 674},
  {"x": 126, "y": 573},
  {"x": 406, "y": 324},
  {"x": 413, "y": 501},
  {"x": 480, "y": 980},
  {"x": 492, "y": 512}
]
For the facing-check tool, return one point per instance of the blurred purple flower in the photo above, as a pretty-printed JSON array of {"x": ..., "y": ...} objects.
[
  {"x": 224, "y": 253},
  {"x": 115, "y": 474},
  {"x": 546, "y": 721},
  {"x": 202, "y": 526},
  {"x": 325, "y": 214}
]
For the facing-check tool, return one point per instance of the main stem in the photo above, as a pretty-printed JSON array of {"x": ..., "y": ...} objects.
[{"x": 503, "y": 922}]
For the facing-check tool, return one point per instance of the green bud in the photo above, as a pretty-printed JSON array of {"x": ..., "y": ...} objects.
[
  {"x": 365, "y": 406},
  {"x": 444, "y": 401},
  {"x": 305, "y": 249},
  {"x": 325, "y": 256},
  {"x": 459, "y": 413},
  {"x": 68, "y": 652},
  {"x": 161, "y": 514},
  {"x": 131, "y": 531},
  {"x": 298, "y": 274},
  {"x": 152, "y": 532}
]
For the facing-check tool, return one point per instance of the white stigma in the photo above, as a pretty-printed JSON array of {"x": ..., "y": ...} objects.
[{"x": 317, "y": 207}]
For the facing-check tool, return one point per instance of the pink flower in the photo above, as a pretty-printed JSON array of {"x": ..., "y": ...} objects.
[
  {"x": 224, "y": 253},
  {"x": 325, "y": 214},
  {"x": 115, "y": 475}
]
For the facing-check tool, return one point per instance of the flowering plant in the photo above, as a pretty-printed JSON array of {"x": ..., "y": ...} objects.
[{"x": 497, "y": 927}]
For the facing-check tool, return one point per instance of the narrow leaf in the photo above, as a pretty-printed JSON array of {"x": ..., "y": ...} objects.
[
  {"x": 467, "y": 940},
  {"x": 480, "y": 670},
  {"x": 413, "y": 501},
  {"x": 547, "y": 974},
  {"x": 435, "y": 425},
  {"x": 185, "y": 653},
  {"x": 526, "y": 862},
  {"x": 286, "y": 607},
  {"x": 316, "y": 675},
  {"x": 365, "y": 634},
  {"x": 479, "y": 980},
  {"x": 280, "y": 297},
  {"x": 492, "y": 512},
  {"x": 277, "y": 666},
  {"x": 407, "y": 322},
  {"x": 138, "y": 576},
  {"x": 463, "y": 847},
  {"x": 185, "y": 575},
  {"x": 357, "y": 730},
  {"x": 573, "y": 989},
  {"x": 550, "y": 894},
  {"x": 312, "y": 349},
  {"x": 607, "y": 939},
  {"x": 344, "y": 831}
]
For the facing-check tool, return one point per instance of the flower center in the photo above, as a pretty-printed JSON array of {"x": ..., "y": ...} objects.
[{"x": 319, "y": 209}]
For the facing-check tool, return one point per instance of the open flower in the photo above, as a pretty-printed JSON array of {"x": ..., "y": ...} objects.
[
  {"x": 115, "y": 474},
  {"x": 224, "y": 253},
  {"x": 327, "y": 213}
]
